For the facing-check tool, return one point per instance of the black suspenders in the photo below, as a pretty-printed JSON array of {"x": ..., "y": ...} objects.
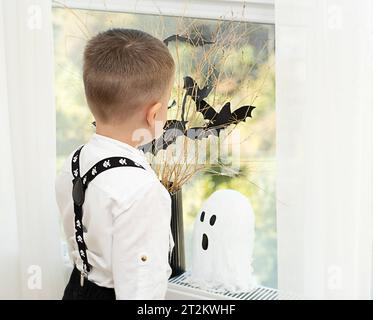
[{"x": 80, "y": 185}]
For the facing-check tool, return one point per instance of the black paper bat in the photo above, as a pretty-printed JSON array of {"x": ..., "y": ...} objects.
[
  {"x": 196, "y": 40},
  {"x": 223, "y": 118},
  {"x": 176, "y": 125},
  {"x": 175, "y": 129},
  {"x": 193, "y": 90}
]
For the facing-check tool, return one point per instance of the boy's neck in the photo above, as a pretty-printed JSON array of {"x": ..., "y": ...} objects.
[{"x": 116, "y": 134}]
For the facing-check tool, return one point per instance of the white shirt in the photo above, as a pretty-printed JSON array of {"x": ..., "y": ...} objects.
[{"x": 127, "y": 214}]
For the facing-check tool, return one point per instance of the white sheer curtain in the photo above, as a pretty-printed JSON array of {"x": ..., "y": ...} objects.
[
  {"x": 30, "y": 260},
  {"x": 324, "y": 110}
]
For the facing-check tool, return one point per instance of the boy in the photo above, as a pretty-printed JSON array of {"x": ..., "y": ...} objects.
[{"x": 118, "y": 226}]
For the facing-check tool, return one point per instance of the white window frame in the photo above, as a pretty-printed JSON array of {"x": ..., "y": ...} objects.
[{"x": 258, "y": 11}]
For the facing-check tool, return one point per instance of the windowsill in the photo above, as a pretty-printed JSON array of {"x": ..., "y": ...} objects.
[{"x": 178, "y": 289}]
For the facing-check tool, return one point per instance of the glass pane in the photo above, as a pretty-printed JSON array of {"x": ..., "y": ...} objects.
[{"x": 246, "y": 68}]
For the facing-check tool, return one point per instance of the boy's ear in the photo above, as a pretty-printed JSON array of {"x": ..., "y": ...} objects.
[{"x": 152, "y": 112}]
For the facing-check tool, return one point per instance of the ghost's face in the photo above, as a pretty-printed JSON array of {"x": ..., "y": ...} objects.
[
  {"x": 211, "y": 221},
  {"x": 223, "y": 239}
]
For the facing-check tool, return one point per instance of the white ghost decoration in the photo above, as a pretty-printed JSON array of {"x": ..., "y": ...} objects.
[{"x": 223, "y": 241}]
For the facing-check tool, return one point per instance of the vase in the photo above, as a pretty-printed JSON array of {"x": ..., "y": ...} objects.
[{"x": 177, "y": 228}]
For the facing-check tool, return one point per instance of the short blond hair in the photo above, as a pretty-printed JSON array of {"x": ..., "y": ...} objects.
[{"x": 125, "y": 69}]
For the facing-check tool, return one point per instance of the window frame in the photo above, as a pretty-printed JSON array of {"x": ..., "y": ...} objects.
[{"x": 256, "y": 11}]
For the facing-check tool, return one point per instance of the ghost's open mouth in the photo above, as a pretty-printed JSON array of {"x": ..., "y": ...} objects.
[{"x": 205, "y": 242}]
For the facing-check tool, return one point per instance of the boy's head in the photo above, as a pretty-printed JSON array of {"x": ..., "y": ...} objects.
[{"x": 128, "y": 76}]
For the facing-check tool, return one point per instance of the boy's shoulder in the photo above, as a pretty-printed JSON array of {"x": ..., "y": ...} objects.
[{"x": 122, "y": 185}]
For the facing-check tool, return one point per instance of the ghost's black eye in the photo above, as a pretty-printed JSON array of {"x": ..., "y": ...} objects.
[
  {"x": 202, "y": 216},
  {"x": 212, "y": 220}
]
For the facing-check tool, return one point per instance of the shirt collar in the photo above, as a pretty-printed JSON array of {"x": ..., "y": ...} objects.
[{"x": 126, "y": 147}]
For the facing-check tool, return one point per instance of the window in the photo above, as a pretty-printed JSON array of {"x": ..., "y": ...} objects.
[{"x": 249, "y": 76}]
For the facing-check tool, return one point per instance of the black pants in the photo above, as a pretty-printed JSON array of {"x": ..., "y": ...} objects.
[{"x": 90, "y": 290}]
